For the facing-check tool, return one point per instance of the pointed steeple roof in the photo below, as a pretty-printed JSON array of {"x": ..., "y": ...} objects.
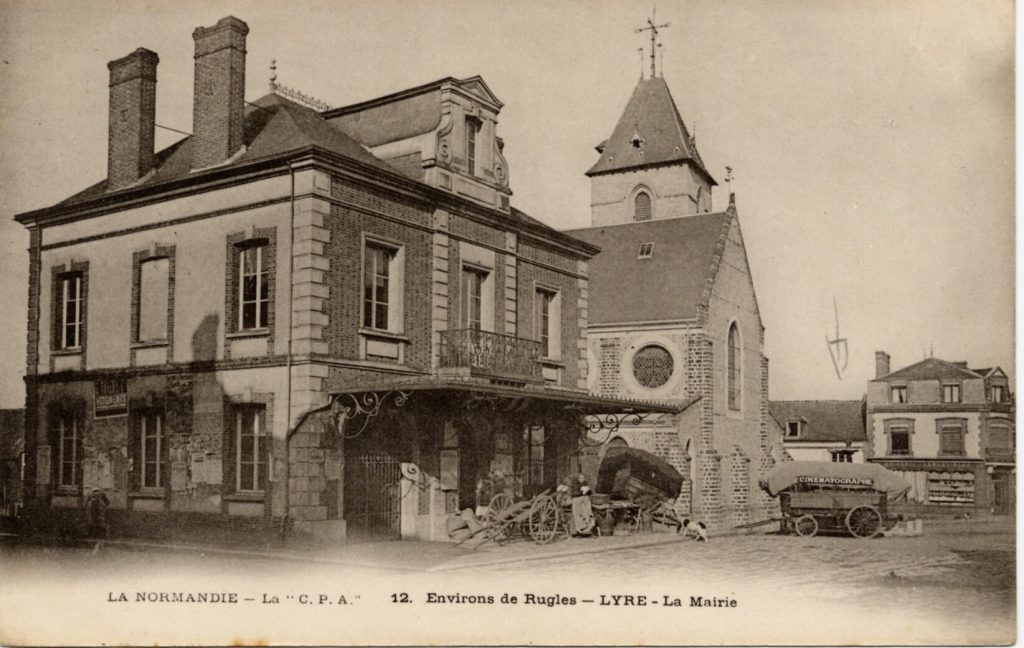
[{"x": 650, "y": 132}]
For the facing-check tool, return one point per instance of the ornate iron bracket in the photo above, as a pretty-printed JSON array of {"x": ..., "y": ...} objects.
[
  {"x": 352, "y": 408},
  {"x": 594, "y": 424}
]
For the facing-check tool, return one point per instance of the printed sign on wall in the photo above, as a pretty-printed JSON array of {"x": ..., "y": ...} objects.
[{"x": 111, "y": 397}]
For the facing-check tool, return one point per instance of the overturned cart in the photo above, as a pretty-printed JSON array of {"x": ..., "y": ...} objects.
[
  {"x": 639, "y": 485},
  {"x": 821, "y": 496}
]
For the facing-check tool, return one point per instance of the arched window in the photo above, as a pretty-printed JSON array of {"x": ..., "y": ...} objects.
[
  {"x": 642, "y": 206},
  {"x": 735, "y": 361}
]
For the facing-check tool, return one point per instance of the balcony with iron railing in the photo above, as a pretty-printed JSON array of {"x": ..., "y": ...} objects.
[{"x": 483, "y": 354}]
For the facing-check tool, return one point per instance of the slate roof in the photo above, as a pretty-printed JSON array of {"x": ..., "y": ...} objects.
[
  {"x": 652, "y": 114},
  {"x": 274, "y": 125},
  {"x": 668, "y": 286},
  {"x": 824, "y": 420},
  {"x": 930, "y": 369},
  {"x": 983, "y": 372}
]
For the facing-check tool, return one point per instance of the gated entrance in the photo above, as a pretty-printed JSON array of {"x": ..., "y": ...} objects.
[{"x": 372, "y": 494}]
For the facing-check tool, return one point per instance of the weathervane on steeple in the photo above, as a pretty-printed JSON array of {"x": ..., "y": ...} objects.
[{"x": 651, "y": 27}]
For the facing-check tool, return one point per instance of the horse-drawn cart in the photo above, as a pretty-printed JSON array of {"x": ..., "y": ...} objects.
[{"x": 840, "y": 497}]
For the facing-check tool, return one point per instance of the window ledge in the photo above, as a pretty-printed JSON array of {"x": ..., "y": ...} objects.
[
  {"x": 387, "y": 335},
  {"x": 66, "y": 352},
  {"x": 257, "y": 496},
  {"x": 552, "y": 362},
  {"x": 248, "y": 333},
  {"x": 149, "y": 344},
  {"x": 66, "y": 491},
  {"x": 148, "y": 494}
]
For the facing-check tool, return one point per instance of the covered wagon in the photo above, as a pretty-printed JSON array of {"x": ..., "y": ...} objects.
[{"x": 821, "y": 496}]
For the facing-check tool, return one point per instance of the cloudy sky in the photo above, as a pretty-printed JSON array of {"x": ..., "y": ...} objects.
[{"x": 871, "y": 141}]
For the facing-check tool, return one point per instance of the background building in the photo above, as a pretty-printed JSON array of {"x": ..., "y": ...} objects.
[
  {"x": 948, "y": 430},
  {"x": 824, "y": 430},
  {"x": 673, "y": 314}
]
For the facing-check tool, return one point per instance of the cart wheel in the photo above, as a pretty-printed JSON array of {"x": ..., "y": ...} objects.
[
  {"x": 544, "y": 520},
  {"x": 864, "y": 522},
  {"x": 498, "y": 505},
  {"x": 806, "y": 526}
]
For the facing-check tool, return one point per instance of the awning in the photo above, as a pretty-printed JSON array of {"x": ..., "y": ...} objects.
[{"x": 595, "y": 412}]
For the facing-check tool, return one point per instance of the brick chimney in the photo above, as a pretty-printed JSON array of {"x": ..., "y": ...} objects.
[
  {"x": 132, "y": 118},
  {"x": 881, "y": 364},
  {"x": 219, "y": 104}
]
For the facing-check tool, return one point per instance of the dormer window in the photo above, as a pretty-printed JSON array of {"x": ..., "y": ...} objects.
[
  {"x": 636, "y": 141},
  {"x": 472, "y": 127},
  {"x": 646, "y": 251},
  {"x": 794, "y": 428},
  {"x": 997, "y": 393},
  {"x": 951, "y": 393},
  {"x": 899, "y": 394}
]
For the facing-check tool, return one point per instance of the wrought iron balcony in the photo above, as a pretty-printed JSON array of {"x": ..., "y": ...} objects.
[
  {"x": 1000, "y": 455},
  {"x": 490, "y": 355}
]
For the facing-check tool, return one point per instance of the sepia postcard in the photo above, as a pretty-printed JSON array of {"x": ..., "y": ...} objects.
[{"x": 556, "y": 323}]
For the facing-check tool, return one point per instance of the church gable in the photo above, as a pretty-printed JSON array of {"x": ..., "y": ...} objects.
[{"x": 732, "y": 281}]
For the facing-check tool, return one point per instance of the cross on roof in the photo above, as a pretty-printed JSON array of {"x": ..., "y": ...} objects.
[{"x": 653, "y": 28}]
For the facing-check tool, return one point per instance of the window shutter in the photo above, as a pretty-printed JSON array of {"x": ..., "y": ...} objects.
[
  {"x": 228, "y": 449},
  {"x": 54, "y": 438},
  {"x": 165, "y": 453},
  {"x": 264, "y": 450},
  {"x": 135, "y": 452}
]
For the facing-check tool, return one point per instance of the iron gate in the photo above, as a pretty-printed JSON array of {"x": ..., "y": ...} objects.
[{"x": 372, "y": 497}]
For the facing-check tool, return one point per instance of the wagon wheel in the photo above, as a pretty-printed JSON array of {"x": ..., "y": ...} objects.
[
  {"x": 864, "y": 522},
  {"x": 544, "y": 520},
  {"x": 806, "y": 526},
  {"x": 499, "y": 504}
]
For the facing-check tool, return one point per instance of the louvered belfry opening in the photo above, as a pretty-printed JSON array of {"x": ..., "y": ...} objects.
[{"x": 642, "y": 206}]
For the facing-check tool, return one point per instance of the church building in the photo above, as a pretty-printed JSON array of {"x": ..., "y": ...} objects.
[{"x": 673, "y": 314}]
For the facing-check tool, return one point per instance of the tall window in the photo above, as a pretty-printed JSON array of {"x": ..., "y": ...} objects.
[
  {"x": 253, "y": 288},
  {"x": 67, "y": 436},
  {"x": 152, "y": 450},
  {"x": 997, "y": 393},
  {"x": 153, "y": 299},
  {"x": 642, "y": 206},
  {"x": 545, "y": 303},
  {"x": 377, "y": 286},
  {"x": 471, "y": 130},
  {"x": 472, "y": 297},
  {"x": 70, "y": 334},
  {"x": 899, "y": 394},
  {"x": 251, "y": 449},
  {"x": 734, "y": 362},
  {"x": 535, "y": 454},
  {"x": 899, "y": 438},
  {"x": 951, "y": 439},
  {"x": 951, "y": 393}
]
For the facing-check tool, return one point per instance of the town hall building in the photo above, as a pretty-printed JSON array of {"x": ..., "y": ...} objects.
[
  {"x": 325, "y": 319},
  {"x": 673, "y": 314}
]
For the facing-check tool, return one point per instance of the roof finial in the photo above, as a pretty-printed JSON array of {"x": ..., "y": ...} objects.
[
  {"x": 651, "y": 27},
  {"x": 661, "y": 60},
  {"x": 273, "y": 76},
  {"x": 728, "y": 179},
  {"x": 641, "y": 50}
]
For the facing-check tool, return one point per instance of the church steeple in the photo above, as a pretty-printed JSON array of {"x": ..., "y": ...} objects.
[
  {"x": 650, "y": 166},
  {"x": 649, "y": 132}
]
